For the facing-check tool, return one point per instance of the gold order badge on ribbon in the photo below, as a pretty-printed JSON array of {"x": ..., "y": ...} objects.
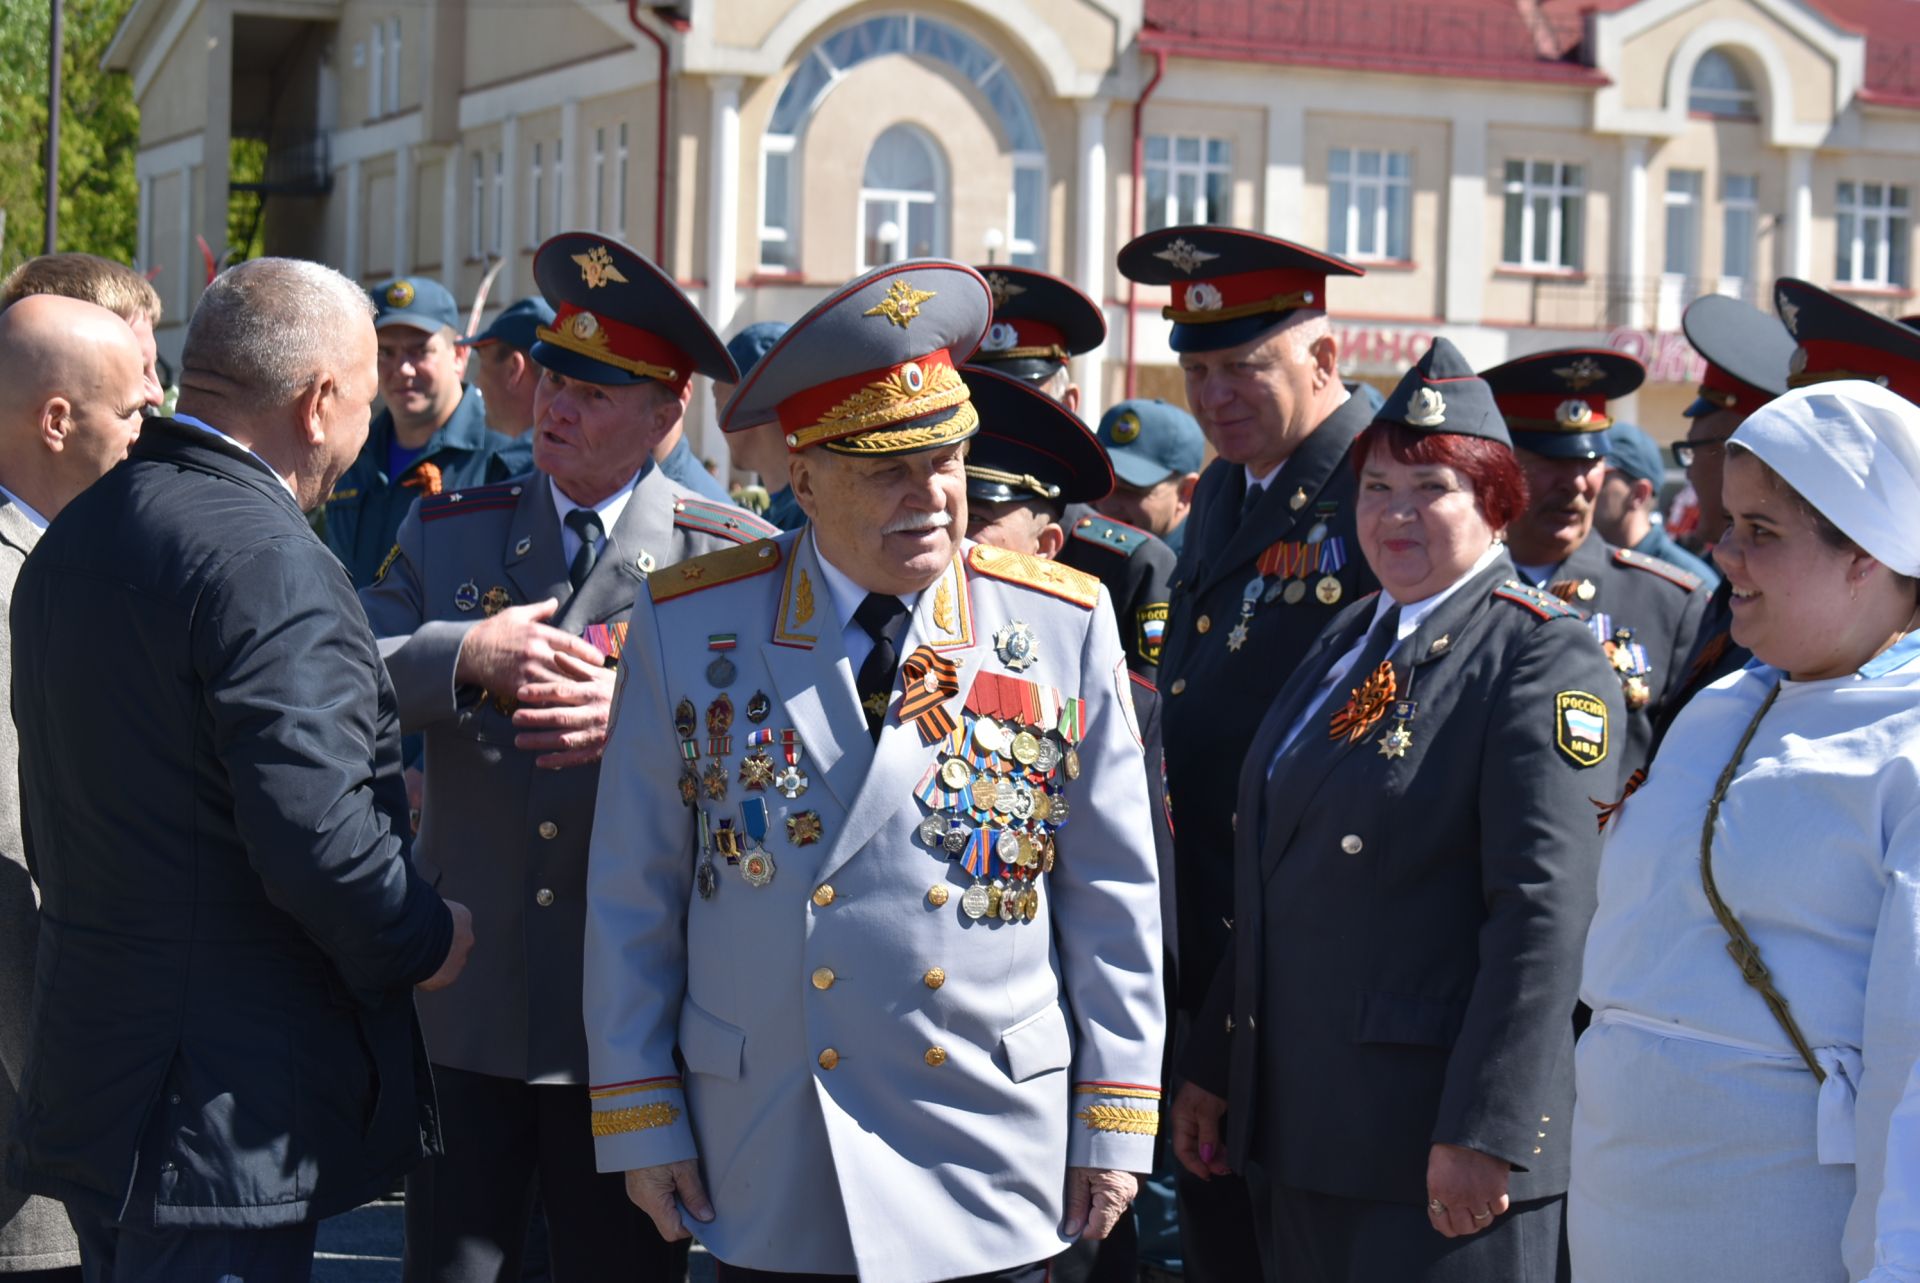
[{"x": 1366, "y": 706}]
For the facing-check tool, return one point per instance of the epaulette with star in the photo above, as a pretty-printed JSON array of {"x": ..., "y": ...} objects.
[
  {"x": 502, "y": 494},
  {"x": 1114, "y": 536},
  {"x": 1654, "y": 566},
  {"x": 1037, "y": 573},
  {"x": 720, "y": 519},
  {"x": 1544, "y": 604},
  {"x": 724, "y": 566}
]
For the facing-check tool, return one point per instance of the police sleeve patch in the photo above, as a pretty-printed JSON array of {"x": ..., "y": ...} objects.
[
  {"x": 1150, "y": 630},
  {"x": 1580, "y": 727}
]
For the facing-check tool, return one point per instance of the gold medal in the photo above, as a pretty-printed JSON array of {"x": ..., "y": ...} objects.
[
  {"x": 1026, "y": 748},
  {"x": 983, "y": 792},
  {"x": 1042, "y": 805},
  {"x": 1072, "y": 761},
  {"x": 1327, "y": 590},
  {"x": 955, "y": 774}
]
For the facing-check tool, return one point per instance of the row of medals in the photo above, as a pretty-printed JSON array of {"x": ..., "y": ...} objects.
[
  {"x": 758, "y": 772},
  {"x": 1281, "y": 588},
  {"x": 1008, "y": 795}
]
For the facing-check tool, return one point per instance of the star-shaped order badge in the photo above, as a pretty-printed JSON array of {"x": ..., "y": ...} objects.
[{"x": 1396, "y": 742}]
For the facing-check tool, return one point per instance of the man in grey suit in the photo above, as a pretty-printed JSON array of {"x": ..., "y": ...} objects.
[
  {"x": 75, "y": 389},
  {"x": 502, "y": 615},
  {"x": 846, "y": 970}
]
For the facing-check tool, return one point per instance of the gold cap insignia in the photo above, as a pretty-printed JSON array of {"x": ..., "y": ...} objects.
[
  {"x": 1427, "y": 409},
  {"x": 901, "y": 304},
  {"x": 1183, "y": 255},
  {"x": 1582, "y": 373},
  {"x": 596, "y": 268},
  {"x": 400, "y": 294},
  {"x": 1126, "y": 429},
  {"x": 1573, "y": 414},
  {"x": 1003, "y": 289}
]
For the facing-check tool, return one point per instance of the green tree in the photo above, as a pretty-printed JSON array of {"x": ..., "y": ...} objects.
[{"x": 99, "y": 133}]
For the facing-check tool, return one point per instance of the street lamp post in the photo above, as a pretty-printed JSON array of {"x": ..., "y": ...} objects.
[{"x": 53, "y": 127}]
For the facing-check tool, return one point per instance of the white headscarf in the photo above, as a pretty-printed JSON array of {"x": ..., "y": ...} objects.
[{"x": 1852, "y": 450}]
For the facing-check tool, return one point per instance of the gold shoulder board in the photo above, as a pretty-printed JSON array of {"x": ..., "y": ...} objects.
[
  {"x": 715, "y": 568},
  {"x": 1049, "y": 577}
]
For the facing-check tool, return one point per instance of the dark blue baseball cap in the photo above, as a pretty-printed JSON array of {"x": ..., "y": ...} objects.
[
  {"x": 1148, "y": 441},
  {"x": 418, "y": 301},
  {"x": 749, "y": 345},
  {"x": 515, "y": 325},
  {"x": 1632, "y": 454}
]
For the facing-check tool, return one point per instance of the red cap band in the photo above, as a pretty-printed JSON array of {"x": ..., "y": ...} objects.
[
  {"x": 624, "y": 347},
  {"x": 1228, "y": 298},
  {"x": 1826, "y": 359},
  {"x": 872, "y": 399}
]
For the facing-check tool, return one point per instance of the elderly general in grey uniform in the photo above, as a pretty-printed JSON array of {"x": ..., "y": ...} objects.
[
  {"x": 501, "y": 614},
  {"x": 872, "y": 853}
]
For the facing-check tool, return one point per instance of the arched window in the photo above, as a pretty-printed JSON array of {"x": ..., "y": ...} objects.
[
  {"x": 902, "y": 199},
  {"x": 1721, "y": 88},
  {"x": 914, "y": 36}
]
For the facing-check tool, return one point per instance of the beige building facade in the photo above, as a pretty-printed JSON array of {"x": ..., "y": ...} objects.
[{"x": 1516, "y": 176}]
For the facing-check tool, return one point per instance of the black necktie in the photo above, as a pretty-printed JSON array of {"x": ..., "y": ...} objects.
[
  {"x": 884, "y": 617},
  {"x": 1252, "y": 500},
  {"x": 584, "y": 522}
]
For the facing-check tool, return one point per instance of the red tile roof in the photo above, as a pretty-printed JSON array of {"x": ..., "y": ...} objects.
[{"x": 1537, "y": 40}]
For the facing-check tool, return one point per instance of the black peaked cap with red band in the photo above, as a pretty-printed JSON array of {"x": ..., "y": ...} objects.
[
  {"x": 1229, "y": 286},
  {"x": 1746, "y": 352},
  {"x": 618, "y": 319},
  {"x": 1555, "y": 403},
  {"x": 1841, "y": 340},
  {"x": 1030, "y": 446},
  {"x": 1039, "y": 323}
]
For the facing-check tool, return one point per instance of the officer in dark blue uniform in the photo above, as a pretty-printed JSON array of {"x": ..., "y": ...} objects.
[
  {"x": 431, "y": 437},
  {"x": 1269, "y": 558},
  {"x": 1040, "y": 322},
  {"x": 1643, "y": 611}
]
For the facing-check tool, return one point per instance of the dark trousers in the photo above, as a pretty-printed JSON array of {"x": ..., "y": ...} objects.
[
  {"x": 1217, "y": 1240},
  {"x": 1319, "y": 1238},
  {"x": 111, "y": 1253},
  {"x": 467, "y": 1212},
  {"x": 739, "y": 1274}
]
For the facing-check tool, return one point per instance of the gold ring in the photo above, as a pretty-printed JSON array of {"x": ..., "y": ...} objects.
[{"x": 1482, "y": 1216}]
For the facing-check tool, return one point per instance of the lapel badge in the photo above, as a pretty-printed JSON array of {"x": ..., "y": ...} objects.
[
  {"x": 791, "y": 782},
  {"x": 522, "y": 548},
  {"x": 689, "y": 787},
  {"x": 714, "y": 781},
  {"x": 719, "y": 723},
  {"x": 496, "y": 600},
  {"x": 756, "y": 772},
  {"x": 805, "y": 828},
  {"x": 683, "y": 716},
  {"x": 644, "y": 563},
  {"x": 466, "y": 596},
  {"x": 758, "y": 706},
  {"x": 1299, "y": 499},
  {"x": 1016, "y": 646}
]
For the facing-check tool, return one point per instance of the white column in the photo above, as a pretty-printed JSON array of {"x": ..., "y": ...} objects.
[
  {"x": 1799, "y": 248},
  {"x": 1091, "y": 264},
  {"x": 573, "y": 163},
  {"x": 1283, "y": 193},
  {"x": 403, "y": 159},
  {"x": 350, "y": 191},
  {"x": 723, "y": 200},
  {"x": 191, "y": 269},
  {"x": 452, "y": 250},
  {"x": 503, "y": 284},
  {"x": 1464, "y": 252},
  {"x": 1631, "y": 232}
]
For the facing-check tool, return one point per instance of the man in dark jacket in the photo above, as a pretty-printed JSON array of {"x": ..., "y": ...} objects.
[{"x": 224, "y": 1042}]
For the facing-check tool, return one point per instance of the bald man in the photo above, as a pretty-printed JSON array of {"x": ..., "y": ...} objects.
[{"x": 74, "y": 381}]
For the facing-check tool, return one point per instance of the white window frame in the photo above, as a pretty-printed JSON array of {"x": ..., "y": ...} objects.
[
  {"x": 596, "y": 213},
  {"x": 937, "y": 200},
  {"x": 1851, "y": 241},
  {"x": 499, "y": 201},
  {"x": 1691, "y": 205},
  {"x": 536, "y": 194},
  {"x": 1733, "y": 209},
  {"x": 781, "y": 232},
  {"x": 620, "y": 183},
  {"x": 1555, "y": 192},
  {"x": 1742, "y": 103},
  {"x": 1200, "y": 171},
  {"x": 376, "y": 72},
  {"x": 394, "y": 67},
  {"x": 477, "y": 219},
  {"x": 1025, "y": 251},
  {"x": 1381, "y": 183}
]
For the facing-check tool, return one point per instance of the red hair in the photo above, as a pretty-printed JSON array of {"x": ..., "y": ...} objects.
[{"x": 1499, "y": 487}]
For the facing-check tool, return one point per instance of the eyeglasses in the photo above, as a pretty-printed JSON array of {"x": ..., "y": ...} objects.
[{"x": 1683, "y": 451}]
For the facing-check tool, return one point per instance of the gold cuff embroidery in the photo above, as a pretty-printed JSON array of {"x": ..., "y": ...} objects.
[
  {"x": 1129, "y": 1093},
  {"x": 1121, "y": 1118},
  {"x": 629, "y": 1089},
  {"x": 634, "y": 1118}
]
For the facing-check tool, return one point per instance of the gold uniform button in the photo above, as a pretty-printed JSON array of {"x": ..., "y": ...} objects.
[
  {"x": 935, "y": 977},
  {"x": 936, "y": 896},
  {"x": 1179, "y": 685},
  {"x": 829, "y": 1058},
  {"x": 823, "y": 979},
  {"x": 823, "y": 895},
  {"x": 543, "y": 897},
  {"x": 1204, "y": 624},
  {"x": 549, "y": 830},
  {"x": 936, "y": 1057},
  {"x": 1351, "y": 844}
]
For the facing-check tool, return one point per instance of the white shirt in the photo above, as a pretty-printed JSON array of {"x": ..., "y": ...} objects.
[
  {"x": 204, "y": 426},
  {"x": 1412, "y": 615},
  {"x": 1537, "y": 575},
  {"x": 1265, "y": 479},
  {"x": 608, "y": 508},
  {"x": 26, "y": 509},
  {"x": 847, "y": 597}
]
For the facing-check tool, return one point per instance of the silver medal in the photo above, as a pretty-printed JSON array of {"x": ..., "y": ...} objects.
[{"x": 974, "y": 902}]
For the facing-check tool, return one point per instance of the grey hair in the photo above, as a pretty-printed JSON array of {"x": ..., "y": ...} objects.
[{"x": 269, "y": 326}]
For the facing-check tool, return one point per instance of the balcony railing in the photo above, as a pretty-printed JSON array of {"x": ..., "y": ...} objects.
[{"x": 296, "y": 162}]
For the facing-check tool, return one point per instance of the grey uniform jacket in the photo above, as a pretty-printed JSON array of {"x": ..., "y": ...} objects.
[
  {"x": 1407, "y": 929},
  {"x": 34, "y": 1233},
  {"x": 1660, "y": 604},
  {"x": 497, "y": 834},
  {"x": 875, "y": 1081}
]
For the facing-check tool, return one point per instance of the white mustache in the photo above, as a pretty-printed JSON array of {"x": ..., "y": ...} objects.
[{"x": 918, "y": 521}]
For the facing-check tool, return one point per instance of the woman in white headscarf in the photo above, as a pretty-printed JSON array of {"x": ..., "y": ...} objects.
[{"x": 1746, "y": 1105}]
